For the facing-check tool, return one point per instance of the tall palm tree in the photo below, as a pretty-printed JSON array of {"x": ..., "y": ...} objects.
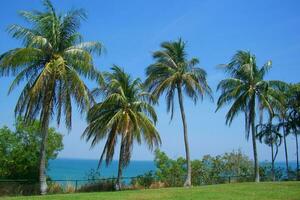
[
  {"x": 269, "y": 134},
  {"x": 288, "y": 113},
  {"x": 52, "y": 61},
  {"x": 172, "y": 72},
  {"x": 246, "y": 89},
  {"x": 293, "y": 121},
  {"x": 124, "y": 113},
  {"x": 283, "y": 114},
  {"x": 293, "y": 127}
]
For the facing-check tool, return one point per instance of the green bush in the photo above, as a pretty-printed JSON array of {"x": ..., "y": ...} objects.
[
  {"x": 170, "y": 172},
  {"x": 19, "y": 150},
  {"x": 54, "y": 188},
  {"x": 265, "y": 171},
  {"x": 99, "y": 185},
  {"x": 96, "y": 184},
  {"x": 208, "y": 170},
  {"x": 18, "y": 188},
  {"x": 144, "y": 181}
]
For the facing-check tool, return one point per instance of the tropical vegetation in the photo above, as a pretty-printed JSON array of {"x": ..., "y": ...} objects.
[
  {"x": 269, "y": 134},
  {"x": 51, "y": 63},
  {"x": 125, "y": 114},
  {"x": 19, "y": 150},
  {"x": 293, "y": 121},
  {"x": 171, "y": 73},
  {"x": 20, "y": 156},
  {"x": 52, "y": 66},
  {"x": 247, "y": 90}
]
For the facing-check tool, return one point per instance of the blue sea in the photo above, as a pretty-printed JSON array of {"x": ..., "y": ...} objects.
[
  {"x": 67, "y": 169},
  {"x": 70, "y": 169}
]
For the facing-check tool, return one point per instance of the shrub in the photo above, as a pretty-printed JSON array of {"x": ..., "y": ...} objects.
[
  {"x": 69, "y": 188},
  {"x": 54, "y": 188},
  {"x": 99, "y": 185},
  {"x": 265, "y": 171},
  {"x": 208, "y": 170},
  {"x": 19, "y": 150},
  {"x": 144, "y": 181},
  {"x": 170, "y": 172},
  {"x": 157, "y": 184},
  {"x": 17, "y": 188}
]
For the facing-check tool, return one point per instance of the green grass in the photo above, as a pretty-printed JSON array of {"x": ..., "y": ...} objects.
[{"x": 244, "y": 191}]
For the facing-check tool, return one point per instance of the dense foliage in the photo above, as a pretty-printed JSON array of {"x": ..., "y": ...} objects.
[
  {"x": 208, "y": 170},
  {"x": 19, "y": 150},
  {"x": 229, "y": 167}
]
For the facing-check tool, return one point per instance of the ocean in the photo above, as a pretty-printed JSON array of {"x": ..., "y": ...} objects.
[
  {"x": 67, "y": 169},
  {"x": 70, "y": 169}
]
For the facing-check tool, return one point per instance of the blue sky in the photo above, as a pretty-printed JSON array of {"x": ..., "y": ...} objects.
[{"x": 214, "y": 31}]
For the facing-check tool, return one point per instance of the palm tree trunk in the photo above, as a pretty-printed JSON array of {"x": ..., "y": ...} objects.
[
  {"x": 42, "y": 167},
  {"x": 120, "y": 164},
  {"x": 273, "y": 159},
  {"x": 253, "y": 130},
  {"x": 297, "y": 154},
  {"x": 256, "y": 165},
  {"x": 188, "y": 181},
  {"x": 45, "y": 118},
  {"x": 285, "y": 151},
  {"x": 121, "y": 157}
]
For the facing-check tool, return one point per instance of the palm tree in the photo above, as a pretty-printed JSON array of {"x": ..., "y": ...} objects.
[
  {"x": 282, "y": 111},
  {"x": 51, "y": 62},
  {"x": 293, "y": 127},
  {"x": 288, "y": 112},
  {"x": 124, "y": 112},
  {"x": 172, "y": 72},
  {"x": 293, "y": 120},
  {"x": 246, "y": 89},
  {"x": 269, "y": 134}
]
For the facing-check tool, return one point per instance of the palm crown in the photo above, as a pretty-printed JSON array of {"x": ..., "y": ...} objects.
[
  {"x": 52, "y": 60},
  {"x": 171, "y": 70},
  {"x": 246, "y": 84}
]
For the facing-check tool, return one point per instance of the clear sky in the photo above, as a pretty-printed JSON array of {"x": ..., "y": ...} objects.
[{"x": 214, "y": 31}]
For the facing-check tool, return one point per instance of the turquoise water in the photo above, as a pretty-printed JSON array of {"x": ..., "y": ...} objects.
[{"x": 79, "y": 168}]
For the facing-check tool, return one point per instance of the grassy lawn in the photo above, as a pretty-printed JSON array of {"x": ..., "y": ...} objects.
[{"x": 245, "y": 191}]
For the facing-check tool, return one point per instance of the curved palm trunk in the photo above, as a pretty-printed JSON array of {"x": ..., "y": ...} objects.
[
  {"x": 297, "y": 154},
  {"x": 45, "y": 117},
  {"x": 273, "y": 159},
  {"x": 188, "y": 181},
  {"x": 285, "y": 151},
  {"x": 272, "y": 150},
  {"x": 121, "y": 158},
  {"x": 120, "y": 164},
  {"x": 252, "y": 117},
  {"x": 42, "y": 166},
  {"x": 256, "y": 165}
]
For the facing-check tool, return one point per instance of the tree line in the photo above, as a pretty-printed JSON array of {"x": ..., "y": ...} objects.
[{"x": 54, "y": 62}]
